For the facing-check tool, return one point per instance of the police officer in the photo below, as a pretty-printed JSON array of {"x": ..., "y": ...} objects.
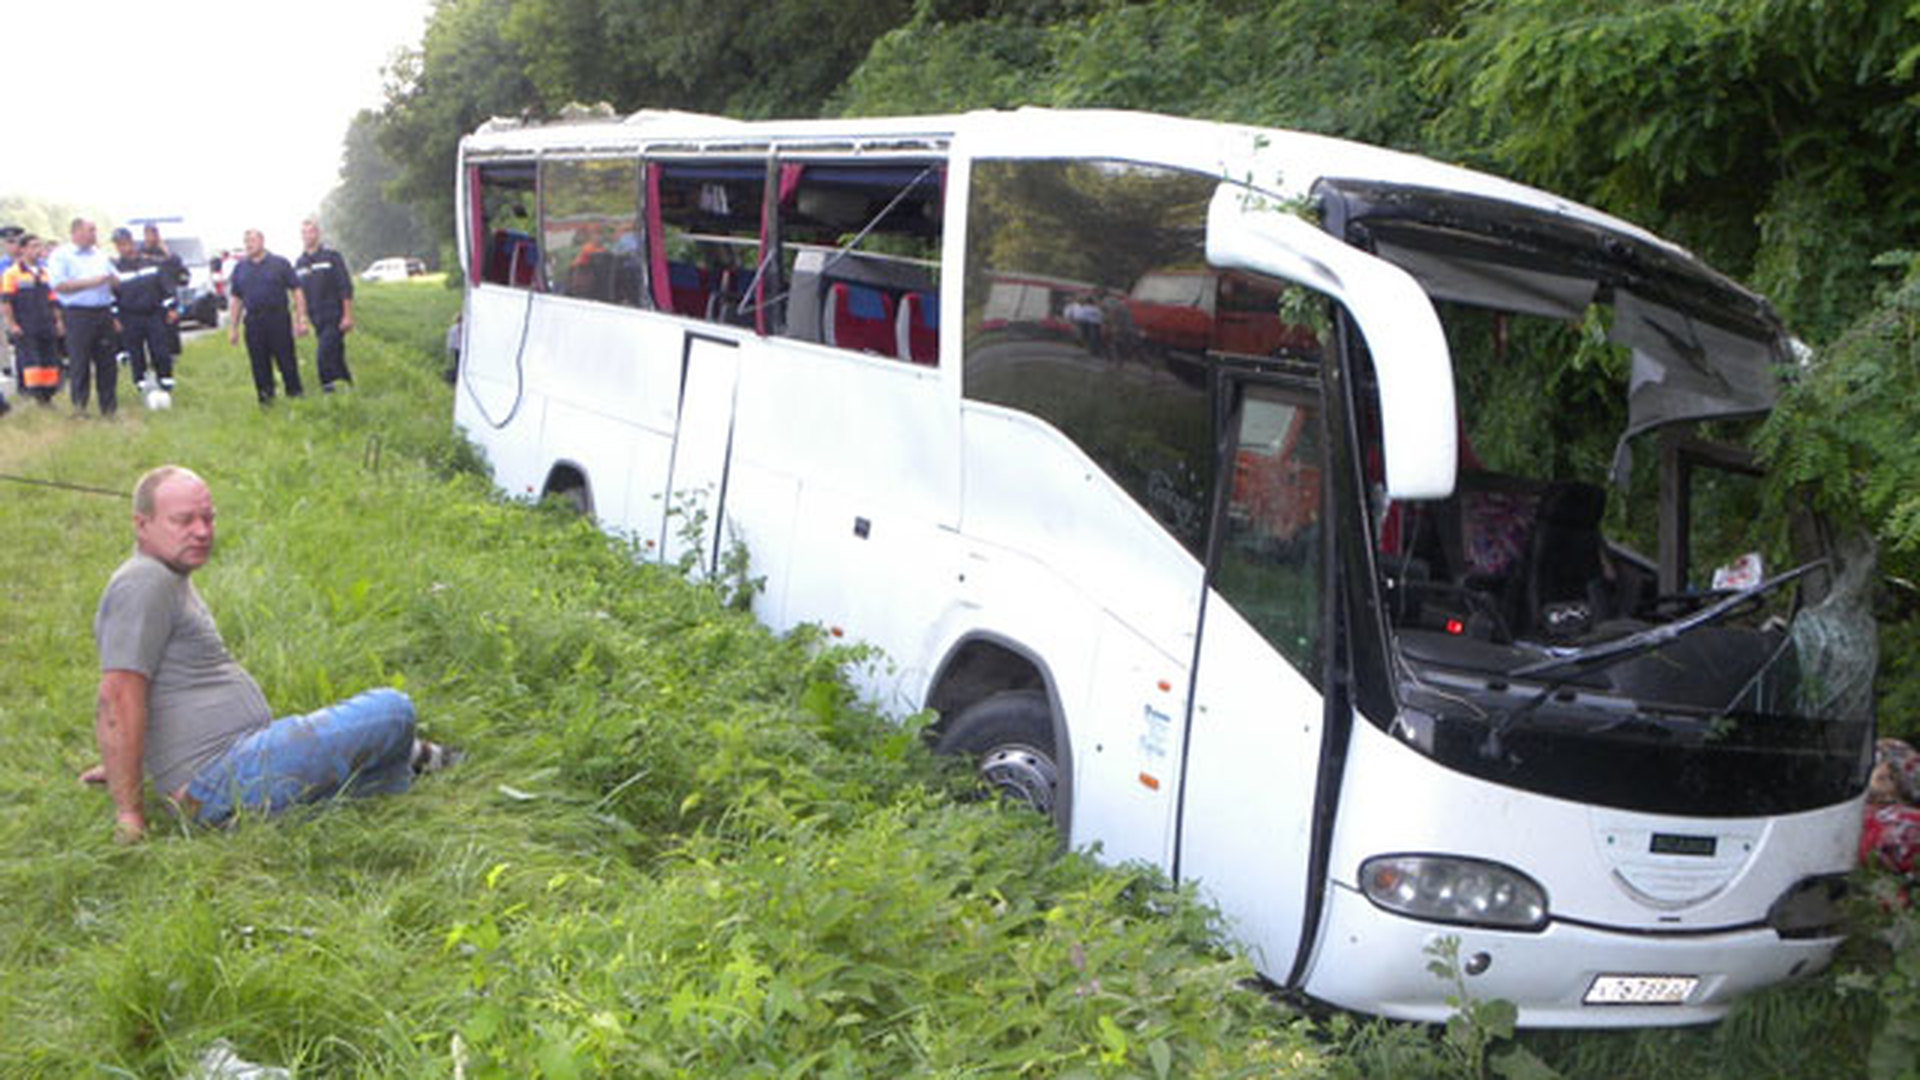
[
  {"x": 151, "y": 246},
  {"x": 260, "y": 287},
  {"x": 329, "y": 291},
  {"x": 144, "y": 298},
  {"x": 82, "y": 275}
]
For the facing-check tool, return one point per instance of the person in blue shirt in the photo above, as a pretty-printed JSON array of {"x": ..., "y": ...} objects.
[
  {"x": 259, "y": 290},
  {"x": 83, "y": 277}
]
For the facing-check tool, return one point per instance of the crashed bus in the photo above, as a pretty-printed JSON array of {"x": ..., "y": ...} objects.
[{"x": 1190, "y": 475}]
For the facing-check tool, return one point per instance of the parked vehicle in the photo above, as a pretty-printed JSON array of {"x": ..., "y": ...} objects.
[
  {"x": 394, "y": 268},
  {"x": 1170, "y": 465},
  {"x": 199, "y": 300}
]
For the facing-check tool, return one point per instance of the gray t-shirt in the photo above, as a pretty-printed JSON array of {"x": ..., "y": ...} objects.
[{"x": 199, "y": 700}]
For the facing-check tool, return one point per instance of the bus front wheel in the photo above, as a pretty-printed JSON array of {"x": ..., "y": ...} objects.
[{"x": 1010, "y": 738}]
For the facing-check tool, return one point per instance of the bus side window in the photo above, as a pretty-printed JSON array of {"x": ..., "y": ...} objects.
[
  {"x": 1269, "y": 567},
  {"x": 860, "y": 256},
  {"x": 703, "y": 227},
  {"x": 1089, "y": 304},
  {"x": 504, "y": 222},
  {"x": 591, "y": 221}
]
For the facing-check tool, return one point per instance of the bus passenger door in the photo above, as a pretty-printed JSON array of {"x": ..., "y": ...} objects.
[
  {"x": 1254, "y": 730},
  {"x": 690, "y": 526}
]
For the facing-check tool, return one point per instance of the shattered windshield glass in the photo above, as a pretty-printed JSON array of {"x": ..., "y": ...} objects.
[{"x": 1610, "y": 606}]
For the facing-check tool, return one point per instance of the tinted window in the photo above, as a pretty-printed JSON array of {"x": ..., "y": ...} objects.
[
  {"x": 1269, "y": 567},
  {"x": 592, "y": 228},
  {"x": 1056, "y": 251}
]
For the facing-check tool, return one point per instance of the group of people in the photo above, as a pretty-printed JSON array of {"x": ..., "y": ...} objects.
[
  {"x": 73, "y": 311},
  {"x": 276, "y": 301}
]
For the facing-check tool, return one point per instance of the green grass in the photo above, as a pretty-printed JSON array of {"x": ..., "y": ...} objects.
[{"x": 679, "y": 848}]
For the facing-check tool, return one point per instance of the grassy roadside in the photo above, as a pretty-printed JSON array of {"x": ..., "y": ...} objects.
[{"x": 678, "y": 850}]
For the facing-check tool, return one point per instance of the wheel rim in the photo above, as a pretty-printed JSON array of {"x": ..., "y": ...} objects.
[{"x": 1021, "y": 773}]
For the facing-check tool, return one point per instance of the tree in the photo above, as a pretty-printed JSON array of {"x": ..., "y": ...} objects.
[
  {"x": 359, "y": 218},
  {"x": 1778, "y": 137},
  {"x": 465, "y": 71},
  {"x": 1317, "y": 65},
  {"x": 43, "y": 217}
]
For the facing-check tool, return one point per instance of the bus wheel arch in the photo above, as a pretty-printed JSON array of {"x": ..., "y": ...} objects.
[
  {"x": 998, "y": 702},
  {"x": 568, "y": 483}
]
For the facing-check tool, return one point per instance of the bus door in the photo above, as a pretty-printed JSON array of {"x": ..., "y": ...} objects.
[
  {"x": 1256, "y": 720},
  {"x": 1253, "y": 820},
  {"x": 696, "y": 502}
]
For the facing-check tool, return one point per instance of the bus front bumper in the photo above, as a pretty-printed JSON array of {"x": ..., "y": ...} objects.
[{"x": 1376, "y": 962}]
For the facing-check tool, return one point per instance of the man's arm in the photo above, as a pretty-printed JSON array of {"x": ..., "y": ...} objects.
[
  {"x": 235, "y": 309},
  {"x": 120, "y": 727},
  {"x": 345, "y": 278},
  {"x": 299, "y": 310}
]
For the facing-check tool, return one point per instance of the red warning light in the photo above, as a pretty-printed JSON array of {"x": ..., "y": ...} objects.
[{"x": 1456, "y": 627}]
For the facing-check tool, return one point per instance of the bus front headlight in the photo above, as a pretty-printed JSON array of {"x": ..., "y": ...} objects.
[{"x": 1450, "y": 889}]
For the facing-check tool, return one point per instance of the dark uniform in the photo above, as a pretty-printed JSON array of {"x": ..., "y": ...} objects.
[
  {"x": 324, "y": 278},
  {"x": 262, "y": 286},
  {"x": 144, "y": 299},
  {"x": 36, "y": 363}
]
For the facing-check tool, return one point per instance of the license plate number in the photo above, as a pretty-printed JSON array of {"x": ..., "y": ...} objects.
[{"x": 1641, "y": 989}]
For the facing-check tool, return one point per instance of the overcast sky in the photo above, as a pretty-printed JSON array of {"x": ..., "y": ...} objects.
[{"x": 228, "y": 112}]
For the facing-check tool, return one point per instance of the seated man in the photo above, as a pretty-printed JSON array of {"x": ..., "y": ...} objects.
[{"x": 175, "y": 705}]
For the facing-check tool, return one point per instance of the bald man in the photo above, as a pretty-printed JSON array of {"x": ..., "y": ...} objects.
[{"x": 174, "y": 705}]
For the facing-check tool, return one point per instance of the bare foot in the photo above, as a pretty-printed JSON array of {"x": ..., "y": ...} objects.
[{"x": 94, "y": 775}]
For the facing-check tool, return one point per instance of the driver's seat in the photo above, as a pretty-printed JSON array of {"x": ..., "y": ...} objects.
[{"x": 1563, "y": 573}]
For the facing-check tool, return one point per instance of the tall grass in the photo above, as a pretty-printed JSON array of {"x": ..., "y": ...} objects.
[{"x": 680, "y": 848}]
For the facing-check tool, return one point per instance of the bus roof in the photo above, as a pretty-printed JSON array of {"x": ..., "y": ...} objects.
[{"x": 1285, "y": 163}]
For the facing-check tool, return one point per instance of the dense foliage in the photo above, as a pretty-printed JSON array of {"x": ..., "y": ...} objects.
[
  {"x": 43, "y": 218},
  {"x": 359, "y": 217}
]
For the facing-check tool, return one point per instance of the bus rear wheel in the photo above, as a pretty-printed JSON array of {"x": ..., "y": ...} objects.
[{"x": 1010, "y": 737}]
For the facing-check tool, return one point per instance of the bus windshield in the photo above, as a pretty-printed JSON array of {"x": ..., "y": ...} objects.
[{"x": 1606, "y": 608}]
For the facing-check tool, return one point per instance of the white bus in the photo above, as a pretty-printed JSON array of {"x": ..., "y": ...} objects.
[{"x": 1133, "y": 442}]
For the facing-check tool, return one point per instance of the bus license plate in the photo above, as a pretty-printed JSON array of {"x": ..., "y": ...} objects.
[{"x": 1641, "y": 989}]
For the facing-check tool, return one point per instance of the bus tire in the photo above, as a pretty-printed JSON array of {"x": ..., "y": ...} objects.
[{"x": 1010, "y": 737}]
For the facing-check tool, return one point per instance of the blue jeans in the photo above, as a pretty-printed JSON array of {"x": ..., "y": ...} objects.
[{"x": 361, "y": 746}]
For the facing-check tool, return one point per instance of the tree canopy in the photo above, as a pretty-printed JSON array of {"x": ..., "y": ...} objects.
[{"x": 358, "y": 216}]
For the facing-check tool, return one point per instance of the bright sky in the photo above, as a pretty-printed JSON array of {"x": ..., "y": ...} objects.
[{"x": 228, "y": 112}]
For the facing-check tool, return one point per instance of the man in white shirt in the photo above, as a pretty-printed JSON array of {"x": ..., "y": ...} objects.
[{"x": 82, "y": 277}]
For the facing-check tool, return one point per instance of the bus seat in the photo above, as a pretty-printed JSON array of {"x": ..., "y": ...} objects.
[
  {"x": 859, "y": 317},
  {"x": 917, "y": 334},
  {"x": 1564, "y": 570},
  {"x": 689, "y": 289},
  {"x": 512, "y": 259}
]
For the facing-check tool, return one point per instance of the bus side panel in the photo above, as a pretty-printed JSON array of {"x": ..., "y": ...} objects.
[
  {"x": 1131, "y": 773},
  {"x": 489, "y": 401},
  {"x": 869, "y": 450},
  {"x": 610, "y": 378},
  {"x": 1249, "y": 796},
  {"x": 608, "y": 381},
  {"x": 1031, "y": 492},
  {"x": 691, "y": 521}
]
